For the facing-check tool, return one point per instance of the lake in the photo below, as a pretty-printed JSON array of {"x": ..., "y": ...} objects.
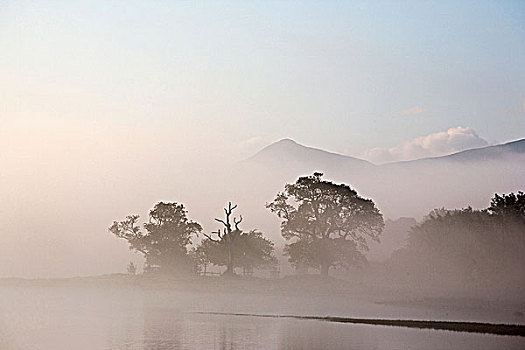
[{"x": 51, "y": 318}]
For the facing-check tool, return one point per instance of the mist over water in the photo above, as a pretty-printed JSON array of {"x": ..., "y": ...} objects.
[
  {"x": 121, "y": 318},
  {"x": 67, "y": 188},
  {"x": 66, "y": 235},
  {"x": 262, "y": 175}
]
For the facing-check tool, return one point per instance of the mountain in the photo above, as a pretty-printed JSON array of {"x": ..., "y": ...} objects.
[
  {"x": 294, "y": 153},
  {"x": 401, "y": 189},
  {"x": 490, "y": 152},
  {"x": 410, "y": 188},
  {"x": 495, "y": 152}
]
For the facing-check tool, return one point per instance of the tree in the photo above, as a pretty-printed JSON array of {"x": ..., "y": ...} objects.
[
  {"x": 232, "y": 247},
  {"x": 165, "y": 239},
  {"x": 450, "y": 245},
  {"x": 250, "y": 250},
  {"x": 509, "y": 207},
  {"x": 508, "y": 213},
  {"x": 254, "y": 251},
  {"x": 328, "y": 223},
  {"x": 465, "y": 245}
]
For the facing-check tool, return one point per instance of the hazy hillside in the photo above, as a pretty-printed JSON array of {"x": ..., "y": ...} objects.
[
  {"x": 466, "y": 178},
  {"x": 296, "y": 154},
  {"x": 496, "y": 152}
]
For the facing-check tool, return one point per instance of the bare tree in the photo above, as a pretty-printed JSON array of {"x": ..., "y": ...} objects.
[{"x": 228, "y": 235}]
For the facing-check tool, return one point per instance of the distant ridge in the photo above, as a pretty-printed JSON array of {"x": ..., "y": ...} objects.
[
  {"x": 292, "y": 151},
  {"x": 466, "y": 178},
  {"x": 486, "y": 153},
  {"x": 491, "y": 152}
]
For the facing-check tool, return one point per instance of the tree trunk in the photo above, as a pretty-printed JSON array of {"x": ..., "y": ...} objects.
[
  {"x": 229, "y": 266},
  {"x": 324, "y": 270}
]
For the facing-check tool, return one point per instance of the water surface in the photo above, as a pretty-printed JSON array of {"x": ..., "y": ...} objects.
[{"x": 51, "y": 318}]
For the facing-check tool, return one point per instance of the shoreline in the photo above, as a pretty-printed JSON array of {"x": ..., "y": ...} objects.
[
  {"x": 330, "y": 294},
  {"x": 452, "y": 326}
]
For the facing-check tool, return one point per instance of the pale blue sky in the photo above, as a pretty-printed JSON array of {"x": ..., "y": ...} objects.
[{"x": 336, "y": 75}]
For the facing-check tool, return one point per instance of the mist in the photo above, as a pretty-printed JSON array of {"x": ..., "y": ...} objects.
[
  {"x": 64, "y": 183},
  {"x": 262, "y": 175},
  {"x": 63, "y": 188}
]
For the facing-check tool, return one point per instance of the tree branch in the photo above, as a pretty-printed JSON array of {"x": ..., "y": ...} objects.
[
  {"x": 221, "y": 221},
  {"x": 209, "y": 237},
  {"x": 237, "y": 222}
]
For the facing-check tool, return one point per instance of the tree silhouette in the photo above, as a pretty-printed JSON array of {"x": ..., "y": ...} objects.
[
  {"x": 232, "y": 247},
  {"x": 508, "y": 213},
  {"x": 250, "y": 250},
  {"x": 165, "y": 239},
  {"x": 508, "y": 206},
  {"x": 466, "y": 245},
  {"x": 450, "y": 244},
  {"x": 328, "y": 223}
]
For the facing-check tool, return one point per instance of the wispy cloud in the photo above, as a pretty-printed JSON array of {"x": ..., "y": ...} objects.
[
  {"x": 411, "y": 111},
  {"x": 437, "y": 144}
]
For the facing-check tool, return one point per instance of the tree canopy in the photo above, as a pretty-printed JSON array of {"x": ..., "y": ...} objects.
[
  {"x": 466, "y": 245},
  {"x": 251, "y": 250},
  {"x": 510, "y": 206},
  {"x": 327, "y": 224},
  {"x": 232, "y": 247},
  {"x": 165, "y": 238}
]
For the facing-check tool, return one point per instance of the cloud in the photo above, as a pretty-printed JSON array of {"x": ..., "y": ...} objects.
[
  {"x": 433, "y": 145},
  {"x": 411, "y": 111}
]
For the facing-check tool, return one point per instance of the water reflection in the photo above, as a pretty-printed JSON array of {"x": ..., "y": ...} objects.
[
  {"x": 171, "y": 329},
  {"x": 55, "y": 318}
]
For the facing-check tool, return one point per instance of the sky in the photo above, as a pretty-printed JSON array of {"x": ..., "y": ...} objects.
[
  {"x": 104, "y": 103},
  {"x": 344, "y": 76}
]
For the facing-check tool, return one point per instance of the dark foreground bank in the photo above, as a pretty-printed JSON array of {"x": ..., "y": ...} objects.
[{"x": 469, "y": 327}]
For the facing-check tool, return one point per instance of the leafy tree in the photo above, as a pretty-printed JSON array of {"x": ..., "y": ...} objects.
[
  {"x": 328, "y": 223},
  {"x": 250, "y": 250},
  {"x": 508, "y": 213},
  {"x": 165, "y": 239},
  {"x": 510, "y": 207},
  {"x": 465, "y": 245},
  {"x": 254, "y": 251},
  {"x": 232, "y": 247},
  {"x": 450, "y": 244}
]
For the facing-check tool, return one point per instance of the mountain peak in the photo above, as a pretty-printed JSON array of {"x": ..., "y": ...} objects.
[
  {"x": 291, "y": 151},
  {"x": 280, "y": 148},
  {"x": 285, "y": 141}
]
